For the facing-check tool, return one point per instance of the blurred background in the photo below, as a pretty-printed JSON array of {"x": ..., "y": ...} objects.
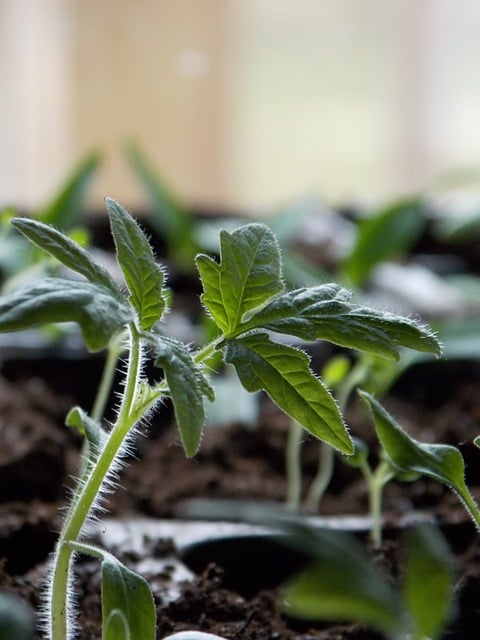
[{"x": 239, "y": 104}]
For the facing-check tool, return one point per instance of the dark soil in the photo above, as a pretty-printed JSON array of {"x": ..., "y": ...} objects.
[{"x": 38, "y": 456}]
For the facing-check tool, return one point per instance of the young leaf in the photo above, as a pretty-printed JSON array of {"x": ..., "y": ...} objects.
[
  {"x": 90, "y": 429},
  {"x": 116, "y": 626},
  {"x": 144, "y": 277},
  {"x": 283, "y": 372},
  {"x": 99, "y": 314},
  {"x": 342, "y": 584},
  {"x": 325, "y": 312},
  {"x": 67, "y": 252},
  {"x": 123, "y": 591},
  {"x": 441, "y": 462},
  {"x": 428, "y": 582},
  {"x": 188, "y": 387},
  {"x": 248, "y": 275}
]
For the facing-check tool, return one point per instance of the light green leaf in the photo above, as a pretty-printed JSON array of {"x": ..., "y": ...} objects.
[
  {"x": 144, "y": 277},
  {"x": 188, "y": 387},
  {"x": 87, "y": 427},
  {"x": 66, "y": 251},
  {"x": 325, "y": 312},
  {"x": 441, "y": 462},
  {"x": 284, "y": 373},
  {"x": 341, "y": 585},
  {"x": 248, "y": 275},
  {"x": 116, "y": 627},
  {"x": 99, "y": 314},
  {"x": 428, "y": 582}
]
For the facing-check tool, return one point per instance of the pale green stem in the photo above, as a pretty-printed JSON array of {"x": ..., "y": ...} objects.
[
  {"x": 376, "y": 481},
  {"x": 84, "y": 500},
  {"x": 322, "y": 477},
  {"x": 471, "y": 507},
  {"x": 101, "y": 399},
  {"x": 293, "y": 466}
]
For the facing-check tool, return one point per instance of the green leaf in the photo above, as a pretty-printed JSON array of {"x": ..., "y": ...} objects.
[
  {"x": 66, "y": 251},
  {"x": 188, "y": 388},
  {"x": 126, "y": 591},
  {"x": 17, "y": 620},
  {"x": 385, "y": 235},
  {"x": 99, "y": 314},
  {"x": 441, "y": 462},
  {"x": 326, "y": 312},
  {"x": 284, "y": 373},
  {"x": 248, "y": 275},
  {"x": 66, "y": 208},
  {"x": 123, "y": 591},
  {"x": 428, "y": 582},
  {"x": 116, "y": 626},
  {"x": 342, "y": 584},
  {"x": 87, "y": 427},
  {"x": 144, "y": 277}
]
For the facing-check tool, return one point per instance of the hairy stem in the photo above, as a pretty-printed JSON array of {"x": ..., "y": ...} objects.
[
  {"x": 85, "y": 498},
  {"x": 323, "y": 476}
]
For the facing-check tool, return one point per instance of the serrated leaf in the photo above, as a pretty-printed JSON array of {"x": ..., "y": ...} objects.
[
  {"x": 342, "y": 584},
  {"x": 92, "y": 307},
  {"x": 428, "y": 582},
  {"x": 87, "y": 427},
  {"x": 284, "y": 373},
  {"x": 66, "y": 251},
  {"x": 188, "y": 388},
  {"x": 248, "y": 275},
  {"x": 144, "y": 277},
  {"x": 325, "y": 312},
  {"x": 441, "y": 462}
]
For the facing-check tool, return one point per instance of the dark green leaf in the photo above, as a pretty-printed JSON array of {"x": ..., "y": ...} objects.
[
  {"x": 342, "y": 584},
  {"x": 325, "y": 312},
  {"x": 17, "y": 621},
  {"x": 98, "y": 313},
  {"x": 439, "y": 461},
  {"x": 144, "y": 277},
  {"x": 248, "y": 275},
  {"x": 188, "y": 388},
  {"x": 66, "y": 251},
  {"x": 385, "y": 235},
  {"x": 428, "y": 582},
  {"x": 284, "y": 373}
]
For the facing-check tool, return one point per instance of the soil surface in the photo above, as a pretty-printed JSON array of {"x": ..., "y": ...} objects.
[{"x": 39, "y": 455}]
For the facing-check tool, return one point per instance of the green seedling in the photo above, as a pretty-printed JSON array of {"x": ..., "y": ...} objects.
[
  {"x": 342, "y": 583},
  {"x": 373, "y": 370},
  {"x": 376, "y": 479},
  {"x": 441, "y": 462},
  {"x": 245, "y": 296},
  {"x": 339, "y": 581}
]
